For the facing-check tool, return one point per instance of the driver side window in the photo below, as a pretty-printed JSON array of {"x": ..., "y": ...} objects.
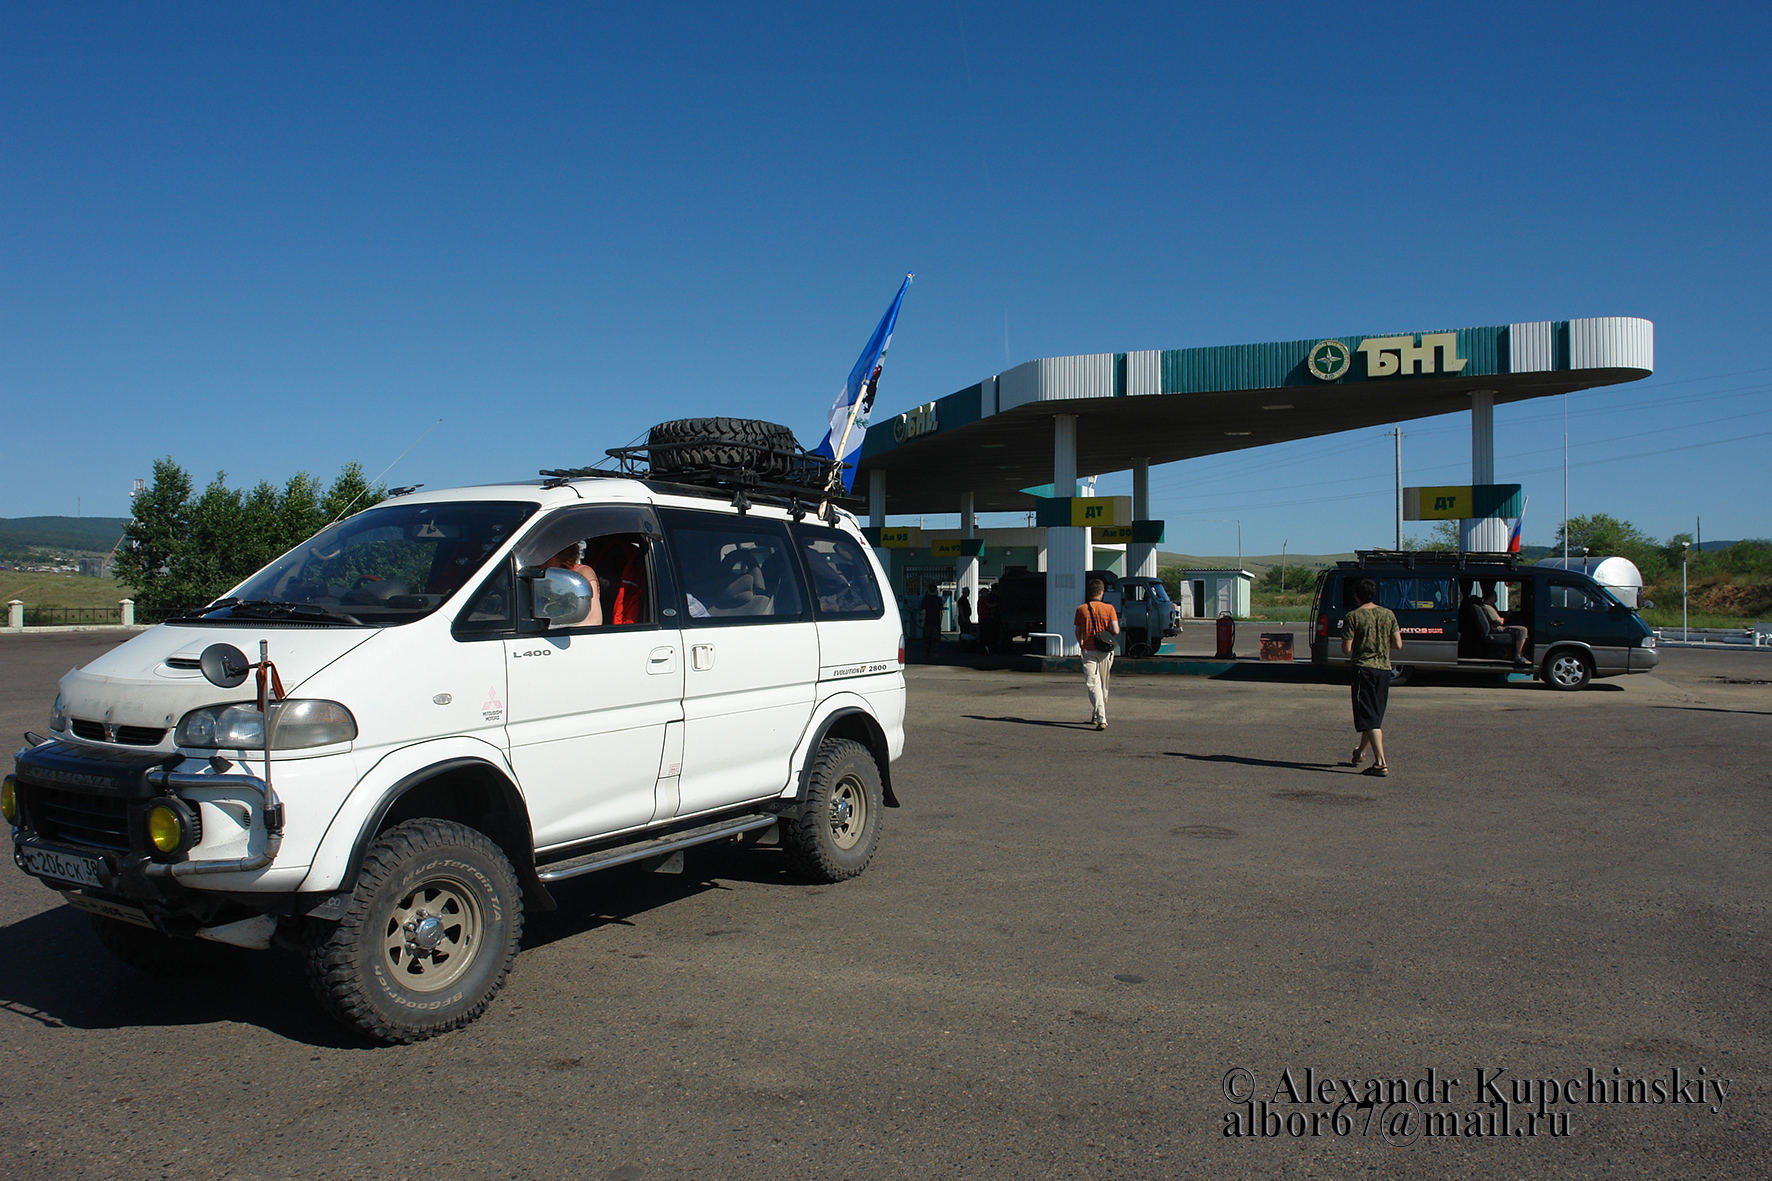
[
  {"x": 609, "y": 546},
  {"x": 1574, "y": 597}
]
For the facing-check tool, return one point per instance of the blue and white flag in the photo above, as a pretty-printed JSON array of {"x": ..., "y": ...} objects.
[{"x": 849, "y": 413}]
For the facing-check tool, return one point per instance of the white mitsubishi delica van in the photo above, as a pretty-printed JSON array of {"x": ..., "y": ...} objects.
[{"x": 389, "y": 742}]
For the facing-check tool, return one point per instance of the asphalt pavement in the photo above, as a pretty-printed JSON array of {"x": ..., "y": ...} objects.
[{"x": 1077, "y": 955}]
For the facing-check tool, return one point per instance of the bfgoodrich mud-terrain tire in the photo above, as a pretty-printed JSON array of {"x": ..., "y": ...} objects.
[
  {"x": 427, "y": 938},
  {"x": 157, "y": 954},
  {"x": 833, "y": 832},
  {"x": 700, "y": 443}
]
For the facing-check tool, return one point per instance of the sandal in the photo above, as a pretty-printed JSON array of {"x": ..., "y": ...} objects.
[
  {"x": 1353, "y": 760},
  {"x": 1377, "y": 769}
]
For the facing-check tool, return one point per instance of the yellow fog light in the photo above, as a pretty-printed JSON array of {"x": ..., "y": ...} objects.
[
  {"x": 172, "y": 827},
  {"x": 9, "y": 799}
]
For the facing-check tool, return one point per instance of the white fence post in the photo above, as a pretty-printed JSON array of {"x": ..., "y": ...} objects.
[
  {"x": 15, "y": 613},
  {"x": 126, "y": 612}
]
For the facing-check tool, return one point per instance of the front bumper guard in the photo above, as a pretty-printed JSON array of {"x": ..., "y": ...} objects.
[{"x": 171, "y": 781}]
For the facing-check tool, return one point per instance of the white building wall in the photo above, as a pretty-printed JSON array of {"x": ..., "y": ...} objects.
[
  {"x": 1056, "y": 379},
  {"x": 1612, "y": 342}
]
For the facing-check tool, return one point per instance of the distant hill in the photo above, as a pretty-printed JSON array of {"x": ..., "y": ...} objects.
[
  {"x": 1258, "y": 564},
  {"x": 93, "y": 534}
]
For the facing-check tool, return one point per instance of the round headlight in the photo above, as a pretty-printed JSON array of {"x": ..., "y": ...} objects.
[
  {"x": 9, "y": 799},
  {"x": 172, "y": 826}
]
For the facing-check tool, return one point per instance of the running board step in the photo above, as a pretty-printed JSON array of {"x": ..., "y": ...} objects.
[{"x": 656, "y": 847}]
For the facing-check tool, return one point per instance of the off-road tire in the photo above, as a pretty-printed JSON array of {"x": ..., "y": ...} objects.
[
  {"x": 1567, "y": 669},
  {"x": 690, "y": 444},
  {"x": 157, "y": 954},
  {"x": 832, "y": 833},
  {"x": 1138, "y": 644},
  {"x": 378, "y": 971}
]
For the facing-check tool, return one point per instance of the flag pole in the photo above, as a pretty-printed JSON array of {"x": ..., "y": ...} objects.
[{"x": 836, "y": 472}]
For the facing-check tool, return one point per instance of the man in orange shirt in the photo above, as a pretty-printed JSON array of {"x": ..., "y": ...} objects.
[{"x": 1097, "y": 625}]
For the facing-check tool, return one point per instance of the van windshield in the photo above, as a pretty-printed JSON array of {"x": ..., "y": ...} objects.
[{"x": 387, "y": 565}]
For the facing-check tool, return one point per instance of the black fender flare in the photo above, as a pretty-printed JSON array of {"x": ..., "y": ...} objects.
[
  {"x": 864, "y": 728},
  {"x": 509, "y": 813}
]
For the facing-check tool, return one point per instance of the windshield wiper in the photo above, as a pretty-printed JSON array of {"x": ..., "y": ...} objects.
[{"x": 267, "y": 607}]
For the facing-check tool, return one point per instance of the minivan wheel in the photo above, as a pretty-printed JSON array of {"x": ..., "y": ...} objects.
[
  {"x": 1400, "y": 674},
  {"x": 428, "y": 935},
  {"x": 832, "y": 834},
  {"x": 1568, "y": 670}
]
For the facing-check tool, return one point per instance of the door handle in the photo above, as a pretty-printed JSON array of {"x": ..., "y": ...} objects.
[
  {"x": 701, "y": 657},
  {"x": 661, "y": 660}
]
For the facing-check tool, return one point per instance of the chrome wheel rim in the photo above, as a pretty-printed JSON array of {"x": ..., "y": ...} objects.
[
  {"x": 432, "y": 934},
  {"x": 1566, "y": 670}
]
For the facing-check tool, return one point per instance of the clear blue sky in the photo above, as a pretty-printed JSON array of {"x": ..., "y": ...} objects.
[{"x": 273, "y": 238}]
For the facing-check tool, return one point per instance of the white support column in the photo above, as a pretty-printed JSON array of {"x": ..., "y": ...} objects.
[
  {"x": 965, "y": 568},
  {"x": 1488, "y": 535},
  {"x": 1067, "y": 547},
  {"x": 1141, "y": 556},
  {"x": 877, "y": 517}
]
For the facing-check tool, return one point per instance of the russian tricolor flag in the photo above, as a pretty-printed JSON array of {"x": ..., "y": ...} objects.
[{"x": 1513, "y": 537}]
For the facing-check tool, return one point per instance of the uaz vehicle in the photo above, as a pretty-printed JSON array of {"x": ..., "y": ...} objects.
[
  {"x": 452, "y": 728},
  {"x": 1148, "y": 616},
  {"x": 1577, "y": 630}
]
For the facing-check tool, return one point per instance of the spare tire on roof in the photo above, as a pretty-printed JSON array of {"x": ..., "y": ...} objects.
[{"x": 691, "y": 444}]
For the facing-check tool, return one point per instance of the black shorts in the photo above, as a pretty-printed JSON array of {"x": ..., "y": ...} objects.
[{"x": 1372, "y": 692}]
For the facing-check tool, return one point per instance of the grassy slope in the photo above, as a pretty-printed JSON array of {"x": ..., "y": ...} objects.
[{"x": 60, "y": 590}]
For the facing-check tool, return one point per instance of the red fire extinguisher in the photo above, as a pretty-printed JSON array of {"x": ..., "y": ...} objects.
[{"x": 1227, "y": 635}]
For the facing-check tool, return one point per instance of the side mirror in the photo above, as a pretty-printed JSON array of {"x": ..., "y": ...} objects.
[
  {"x": 562, "y": 598},
  {"x": 1648, "y": 604},
  {"x": 224, "y": 665}
]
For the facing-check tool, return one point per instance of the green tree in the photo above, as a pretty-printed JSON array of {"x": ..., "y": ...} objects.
[
  {"x": 1170, "y": 577},
  {"x": 155, "y": 541},
  {"x": 350, "y": 493},
  {"x": 181, "y": 551},
  {"x": 1443, "y": 536},
  {"x": 1606, "y": 536}
]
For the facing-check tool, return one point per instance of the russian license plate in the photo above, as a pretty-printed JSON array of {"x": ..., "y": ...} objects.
[{"x": 60, "y": 865}]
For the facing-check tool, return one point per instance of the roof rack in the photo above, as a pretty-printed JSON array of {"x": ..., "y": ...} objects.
[
  {"x": 1410, "y": 559},
  {"x": 799, "y": 482}
]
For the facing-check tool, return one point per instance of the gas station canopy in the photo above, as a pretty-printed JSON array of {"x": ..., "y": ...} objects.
[{"x": 995, "y": 438}]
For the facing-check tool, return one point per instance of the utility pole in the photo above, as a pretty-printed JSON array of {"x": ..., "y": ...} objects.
[
  {"x": 1283, "y": 546},
  {"x": 1565, "y": 481},
  {"x": 1397, "y": 430}
]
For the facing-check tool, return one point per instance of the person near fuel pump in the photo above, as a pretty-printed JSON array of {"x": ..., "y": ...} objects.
[
  {"x": 1097, "y": 625},
  {"x": 932, "y": 606},
  {"x": 1368, "y": 634}
]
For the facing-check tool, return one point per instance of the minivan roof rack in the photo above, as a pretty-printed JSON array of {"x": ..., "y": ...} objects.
[
  {"x": 743, "y": 487},
  {"x": 1410, "y": 559}
]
